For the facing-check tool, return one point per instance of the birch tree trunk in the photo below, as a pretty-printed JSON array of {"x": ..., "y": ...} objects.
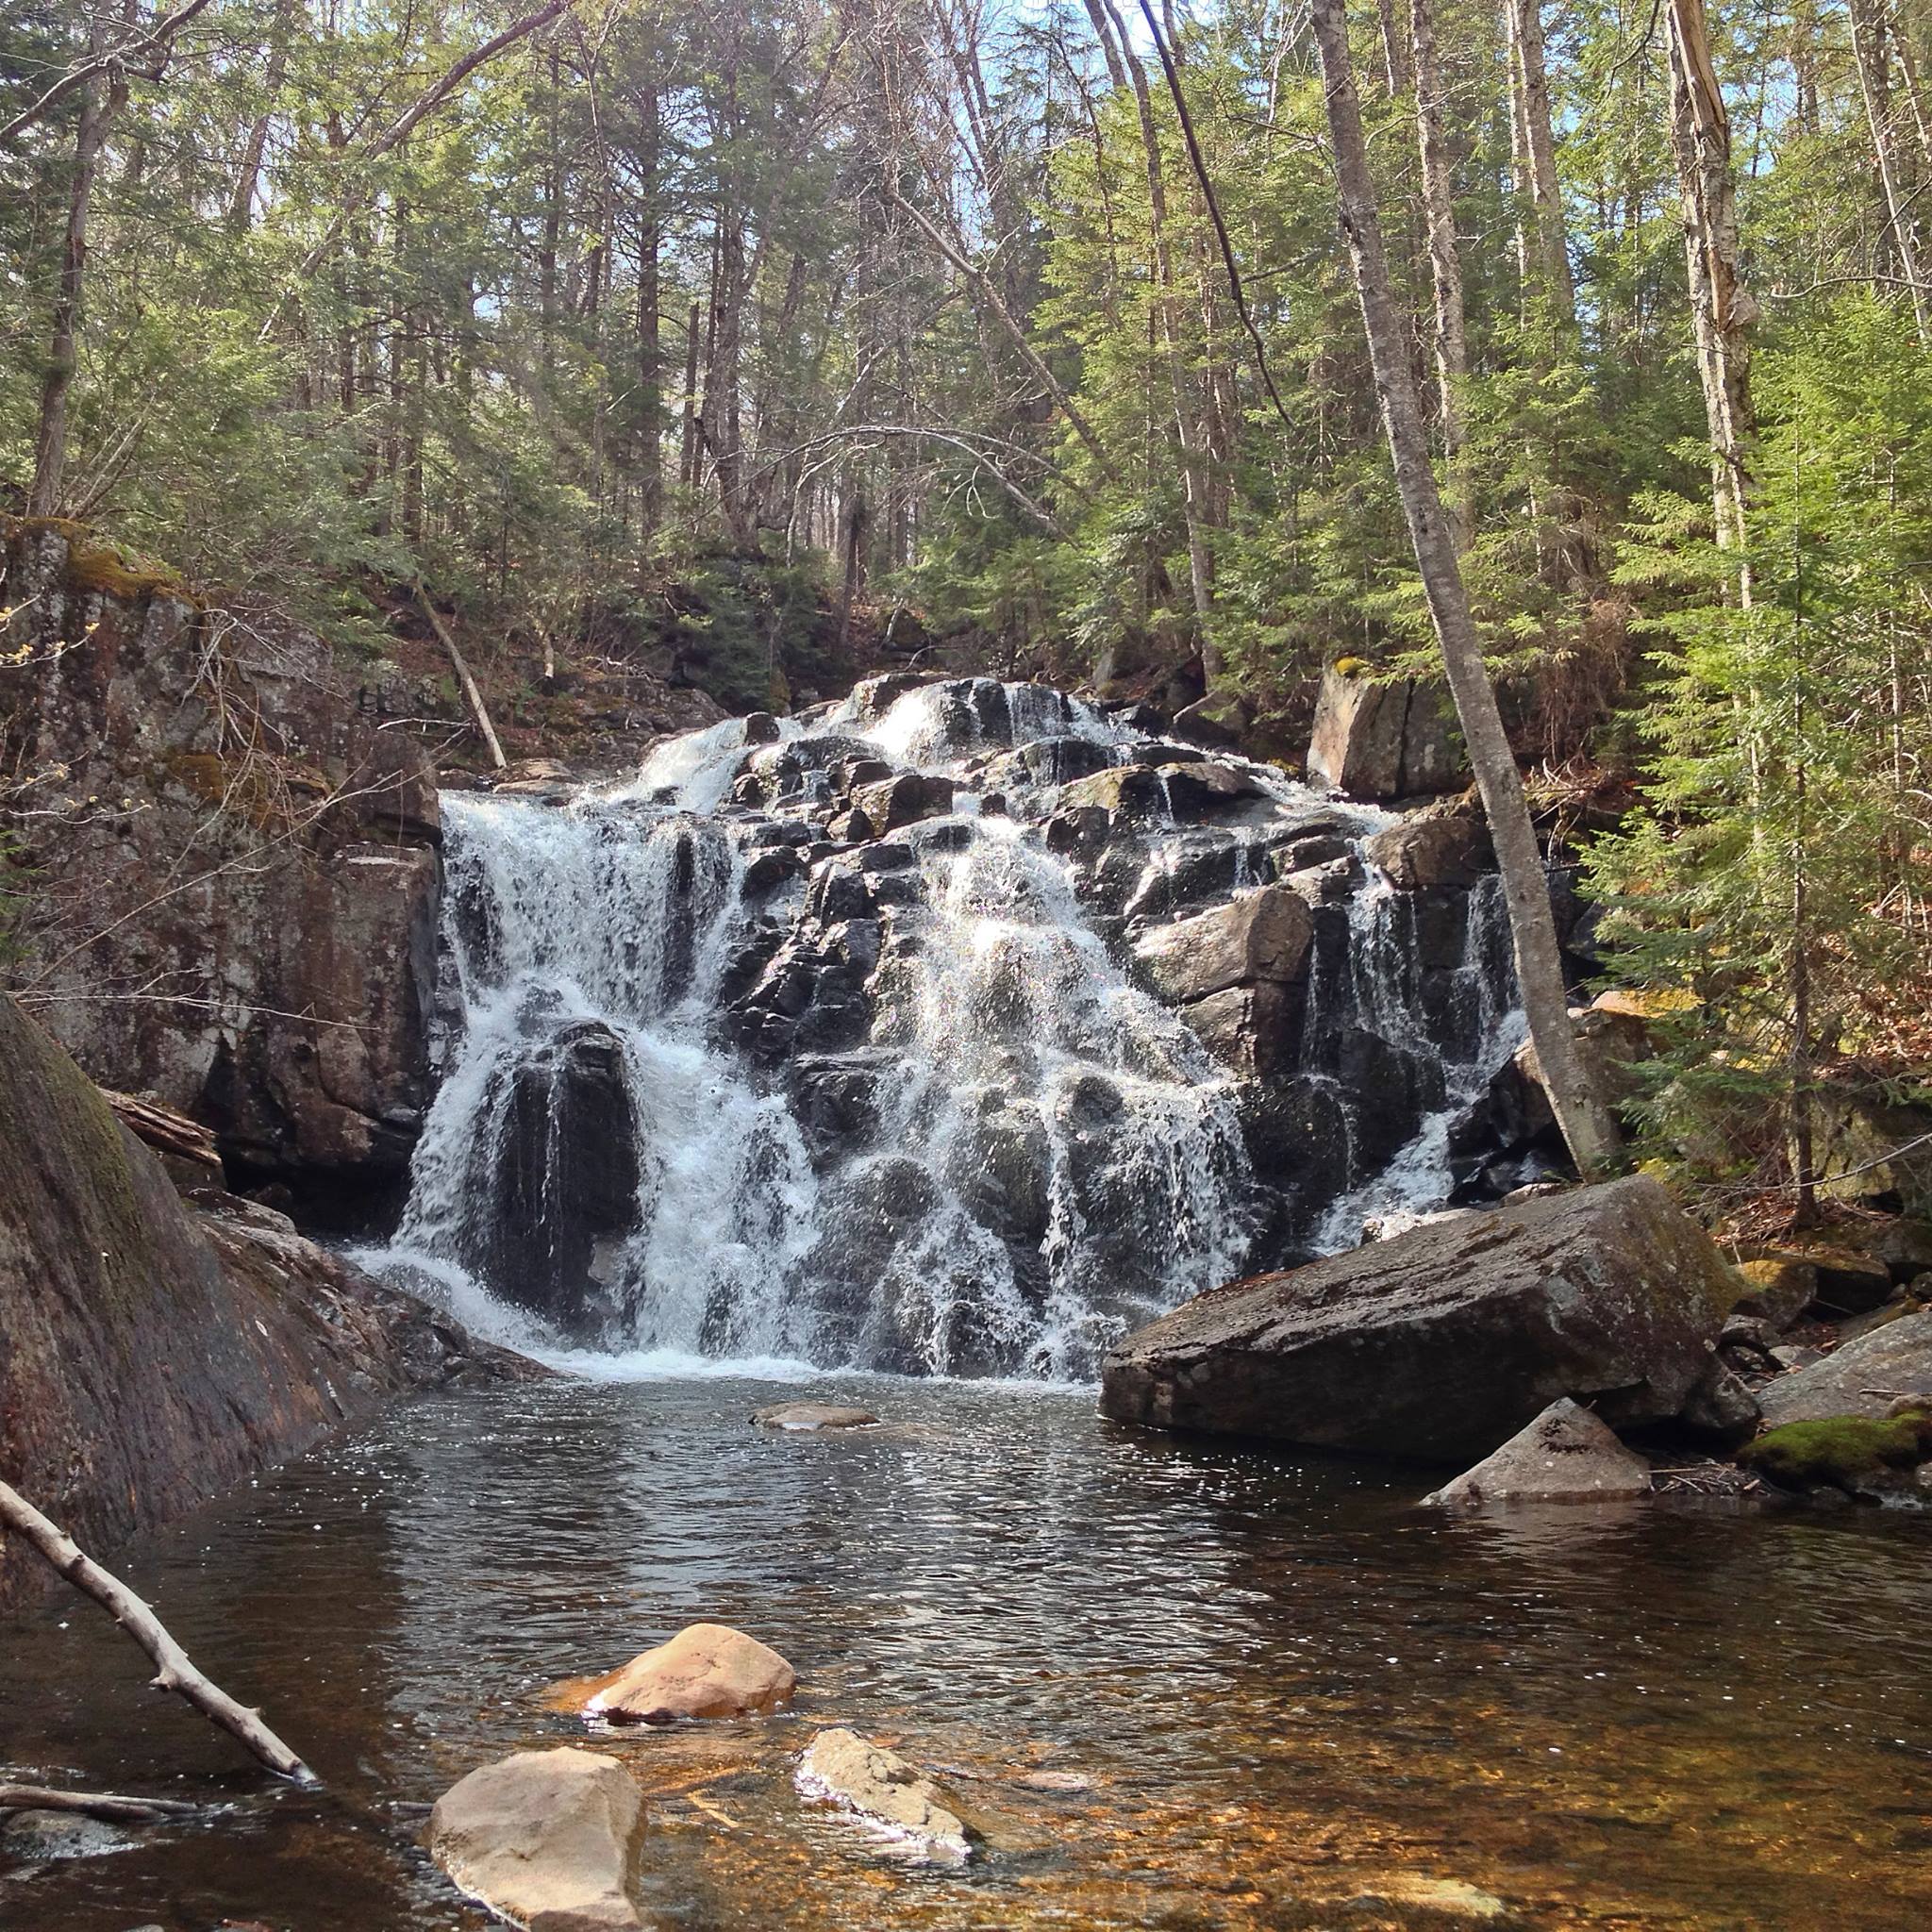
[
  {"x": 1530, "y": 82},
  {"x": 1721, "y": 307},
  {"x": 1445, "y": 257},
  {"x": 1585, "y": 1123}
]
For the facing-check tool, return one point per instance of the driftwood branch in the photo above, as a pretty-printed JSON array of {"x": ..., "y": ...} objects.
[
  {"x": 172, "y": 1670},
  {"x": 469, "y": 683},
  {"x": 110, "y": 1806}
]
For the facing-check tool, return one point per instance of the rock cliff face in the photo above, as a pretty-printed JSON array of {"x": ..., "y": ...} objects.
[
  {"x": 236, "y": 871},
  {"x": 150, "y": 1355}
]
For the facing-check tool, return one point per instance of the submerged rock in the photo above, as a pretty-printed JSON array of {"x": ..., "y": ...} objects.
[
  {"x": 1865, "y": 1377},
  {"x": 707, "y": 1670},
  {"x": 548, "y": 1839},
  {"x": 813, "y": 1415},
  {"x": 1565, "y": 1456},
  {"x": 883, "y": 1788},
  {"x": 39, "y": 1837},
  {"x": 1440, "y": 1342}
]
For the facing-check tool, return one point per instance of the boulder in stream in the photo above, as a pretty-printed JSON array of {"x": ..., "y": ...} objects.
[
  {"x": 707, "y": 1670},
  {"x": 1565, "y": 1456},
  {"x": 548, "y": 1839},
  {"x": 1440, "y": 1342},
  {"x": 1865, "y": 1377},
  {"x": 883, "y": 1789},
  {"x": 1262, "y": 935}
]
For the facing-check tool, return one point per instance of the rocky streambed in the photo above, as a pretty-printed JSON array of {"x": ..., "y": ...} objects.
[{"x": 1166, "y": 1683}]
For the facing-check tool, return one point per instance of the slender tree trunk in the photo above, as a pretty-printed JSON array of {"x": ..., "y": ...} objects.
[
  {"x": 1868, "y": 48},
  {"x": 1445, "y": 257},
  {"x": 688, "y": 447},
  {"x": 1721, "y": 307},
  {"x": 1584, "y": 1121},
  {"x": 1531, "y": 75},
  {"x": 100, "y": 99},
  {"x": 650, "y": 454},
  {"x": 248, "y": 180}
]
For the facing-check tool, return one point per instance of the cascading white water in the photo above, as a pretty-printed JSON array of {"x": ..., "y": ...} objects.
[{"x": 1028, "y": 1153}]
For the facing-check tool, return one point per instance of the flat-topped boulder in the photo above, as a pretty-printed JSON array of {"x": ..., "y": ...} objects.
[
  {"x": 1866, "y": 1377},
  {"x": 1443, "y": 1341}
]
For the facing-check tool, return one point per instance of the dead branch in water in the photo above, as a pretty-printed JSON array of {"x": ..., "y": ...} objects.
[
  {"x": 172, "y": 1670},
  {"x": 109, "y": 1806}
]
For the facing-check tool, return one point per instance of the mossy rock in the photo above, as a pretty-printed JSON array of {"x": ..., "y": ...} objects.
[
  {"x": 1843, "y": 1452},
  {"x": 1350, "y": 667},
  {"x": 95, "y": 568}
]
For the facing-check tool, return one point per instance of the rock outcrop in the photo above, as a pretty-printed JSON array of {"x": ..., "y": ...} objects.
[
  {"x": 707, "y": 1670},
  {"x": 1440, "y": 1342},
  {"x": 151, "y": 1356},
  {"x": 237, "y": 870},
  {"x": 1565, "y": 1456},
  {"x": 1379, "y": 739},
  {"x": 548, "y": 1839}
]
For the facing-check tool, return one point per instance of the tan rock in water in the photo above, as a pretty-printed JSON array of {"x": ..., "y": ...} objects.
[
  {"x": 548, "y": 1839},
  {"x": 707, "y": 1670},
  {"x": 884, "y": 1789},
  {"x": 813, "y": 1415},
  {"x": 1565, "y": 1456}
]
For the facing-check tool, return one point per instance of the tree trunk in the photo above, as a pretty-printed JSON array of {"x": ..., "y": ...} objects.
[
  {"x": 1584, "y": 1121},
  {"x": 650, "y": 453},
  {"x": 248, "y": 179},
  {"x": 1721, "y": 308},
  {"x": 99, "y": 101},
  {"x": 1445, "y": 257},
  {"x": 1868, "y": 47},
  {"x": 688, "y": 447},
  {"x": 1548, "y": 268}
]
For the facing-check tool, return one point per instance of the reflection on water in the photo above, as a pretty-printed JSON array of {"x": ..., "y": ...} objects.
[{"x": 1277, "y": 1696}]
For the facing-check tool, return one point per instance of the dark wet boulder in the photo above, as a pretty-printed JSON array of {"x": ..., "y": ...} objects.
[
  {"x": 1205, "y": 789},
  {"x": 1442, "y": 1341},
  {"x": 1384, "y": 738},
  {"x": 1433, "y": 849},
  {"x": 1249, "y": 1029},
  {"x": 564, "y": 1178},
  {"x": 1263, "y": 935},
  {"x": 893, "y": 802}
]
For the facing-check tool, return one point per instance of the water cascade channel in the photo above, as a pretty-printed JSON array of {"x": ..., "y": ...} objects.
[{"x": 834, "y": 1039}]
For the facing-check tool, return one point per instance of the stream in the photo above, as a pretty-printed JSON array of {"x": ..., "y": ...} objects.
[{"x": 1268, "y": 1693}]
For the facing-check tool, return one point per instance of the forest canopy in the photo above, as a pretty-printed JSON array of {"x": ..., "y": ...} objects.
[{"x": 1033, "y": 325}]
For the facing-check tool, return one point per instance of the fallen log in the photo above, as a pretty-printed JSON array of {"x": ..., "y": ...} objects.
[
  {"x": 469, "y": 684},
  {"x": 172, "y": 1670},
  {"x": 110, "y": 1806}
]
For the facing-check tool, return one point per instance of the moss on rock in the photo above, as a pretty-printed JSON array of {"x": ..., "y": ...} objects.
[{"x": 1843, "y": 1452}]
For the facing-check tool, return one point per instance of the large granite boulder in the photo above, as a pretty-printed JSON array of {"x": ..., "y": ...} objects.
[
  {"x": 707, "y": 1670},
  {"x": 548, "y": 1839},
  {"x": 1865, "y": 1377},
  {"x": 237, "y": 870},
  {"x": 1443, "y": 1341},
  {"x": 1376, "y": 738},
  {"x": 151, "y": 1356}
]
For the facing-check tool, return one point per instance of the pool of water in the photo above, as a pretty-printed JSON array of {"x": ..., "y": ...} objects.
[{"x": 1278, "y": 1694}]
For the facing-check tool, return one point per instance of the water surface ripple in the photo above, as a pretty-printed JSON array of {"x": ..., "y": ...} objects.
[{"x": 1276, "y": 1694}]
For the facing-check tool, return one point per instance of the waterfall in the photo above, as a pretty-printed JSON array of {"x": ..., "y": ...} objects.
[{"x": 716, "y": 1081}]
